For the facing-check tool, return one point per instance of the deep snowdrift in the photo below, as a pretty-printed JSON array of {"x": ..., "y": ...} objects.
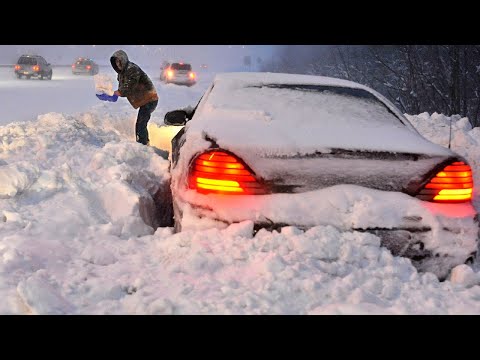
[{"x": 77, "y": 235}]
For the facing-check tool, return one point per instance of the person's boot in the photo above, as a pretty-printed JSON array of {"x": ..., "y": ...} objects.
[{"x": 142, "y": 141}]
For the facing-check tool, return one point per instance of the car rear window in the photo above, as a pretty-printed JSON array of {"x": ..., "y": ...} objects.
[
  {"x": 363, "y": 98},
  {"x": 187, "y": 67},
  {"x": 84, "y": 62},
  {"x": 25, "y": 60},
  {"x": 305, "y": 105}
]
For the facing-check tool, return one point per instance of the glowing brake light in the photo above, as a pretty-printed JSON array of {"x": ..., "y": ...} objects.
[
  {"x": 17, "y": 67},
  {"x": 36, "y": 68},
  {"x": 219, "y": 172},
  {"x": 169, "y": 74},
  {"x": 73, "y": 66},
  {"x": 191, "y": 75},
  {"x": 88, "y": 67},
  {"x": 453, "y": 184}
]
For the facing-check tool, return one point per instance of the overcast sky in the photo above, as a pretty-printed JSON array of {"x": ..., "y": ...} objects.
[{"x": 218, "y": 57}]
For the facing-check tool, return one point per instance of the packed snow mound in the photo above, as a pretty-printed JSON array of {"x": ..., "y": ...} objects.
[
  {"x": 230, "y": 271},
  {"x": 294, "y": 272},
  {"x": 16, "y": 178}
]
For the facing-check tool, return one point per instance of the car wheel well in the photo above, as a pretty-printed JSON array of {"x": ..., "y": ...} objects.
[{"x": 164, "y": 206}]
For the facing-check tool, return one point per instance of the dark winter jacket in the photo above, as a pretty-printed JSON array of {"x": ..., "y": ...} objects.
[{"x": 133, "y": 83}]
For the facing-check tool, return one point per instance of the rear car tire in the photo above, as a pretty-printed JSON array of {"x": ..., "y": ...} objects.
[
  {"x": 49, "y": 77},
  {"x": 28, "y": 77},
  {"x": 19, "y": 76}
]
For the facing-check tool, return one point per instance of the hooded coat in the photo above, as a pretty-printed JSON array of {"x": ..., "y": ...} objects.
[{"x": 133, "y": 82}]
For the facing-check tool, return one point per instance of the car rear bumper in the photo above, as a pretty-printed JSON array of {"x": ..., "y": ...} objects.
[
  {"x": 436, "y": 237},
  {"x": 181, "y": 81},
  {"x": 27, "y": 73},
  {"x": 411, "y": 244},
  {"x": 76, "y": 72}
]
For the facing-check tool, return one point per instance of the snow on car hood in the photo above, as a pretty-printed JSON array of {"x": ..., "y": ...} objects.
[{"x": 272, "y": 116}]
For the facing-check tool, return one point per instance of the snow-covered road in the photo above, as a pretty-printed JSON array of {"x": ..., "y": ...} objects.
[
  {"x": 76, "y": 198},
  {"x": 24, "y": 100}
]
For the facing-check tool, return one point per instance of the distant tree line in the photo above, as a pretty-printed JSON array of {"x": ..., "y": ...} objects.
[{"x": 417, "y": 78}]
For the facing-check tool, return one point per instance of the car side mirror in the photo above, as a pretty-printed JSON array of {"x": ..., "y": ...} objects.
[
  {"x": 48, "y": 64},
  {"x": 176, "y": 117}
]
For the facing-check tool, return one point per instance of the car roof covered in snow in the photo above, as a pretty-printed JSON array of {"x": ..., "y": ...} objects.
[
  {"x": 261, "y": 112},
  {"x": 32, "y": 56},
  {"x": 245, "y": 79},
  {"x": 279, "y": 78}
]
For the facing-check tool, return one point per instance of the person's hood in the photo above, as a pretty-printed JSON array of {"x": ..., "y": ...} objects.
[{"x": 122, "y": 56}]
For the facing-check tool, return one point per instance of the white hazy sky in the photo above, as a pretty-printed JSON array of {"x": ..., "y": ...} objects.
[{"x": 218, "y": 57}]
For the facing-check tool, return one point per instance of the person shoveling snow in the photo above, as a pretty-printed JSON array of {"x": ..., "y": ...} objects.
[{"x": 136, "y": 86}]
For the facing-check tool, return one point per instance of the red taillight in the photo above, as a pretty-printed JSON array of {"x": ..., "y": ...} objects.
[
  {"x": 170, "y": 74},
  {"x": 88, "y": 67},
  {"x": 453, "y": 184},
  {"x": 73, "y": 66},
  {"x": 219, "y": 172},
  {"x": 36, "y": 68},
  {"x": 191, "y": 75},
  {"x": 17, "y": 67}
]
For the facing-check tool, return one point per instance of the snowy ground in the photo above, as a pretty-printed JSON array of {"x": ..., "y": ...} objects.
[
  {"x": 23, "y": 100},
  {"x": 76, "y": 198}
]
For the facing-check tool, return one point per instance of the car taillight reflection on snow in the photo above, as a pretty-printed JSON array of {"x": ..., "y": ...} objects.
[{"x": 220, "y": 172}]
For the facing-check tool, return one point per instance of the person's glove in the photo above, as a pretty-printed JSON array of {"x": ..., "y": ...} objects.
[{"x": 105, "y": 97}]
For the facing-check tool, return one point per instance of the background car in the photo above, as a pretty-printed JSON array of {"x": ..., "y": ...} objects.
[
  {"x": 85, "y": 66},
  {"x": 283, "y": 149},
  {"x": 33, "y": 66},
  {"x": 180, "y": 74}
]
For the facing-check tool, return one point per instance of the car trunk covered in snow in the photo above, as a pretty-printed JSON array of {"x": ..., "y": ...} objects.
[
  {"x": 275, "y": 117},
  {"x": 313, "y": 134}
]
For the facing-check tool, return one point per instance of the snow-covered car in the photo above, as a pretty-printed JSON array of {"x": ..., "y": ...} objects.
[
  {"x": 85, "y": 66},
  {"x": 180, "y": 74},
  {"x": 33, "y": 66},
  {"x": 283, "y": 149}
]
